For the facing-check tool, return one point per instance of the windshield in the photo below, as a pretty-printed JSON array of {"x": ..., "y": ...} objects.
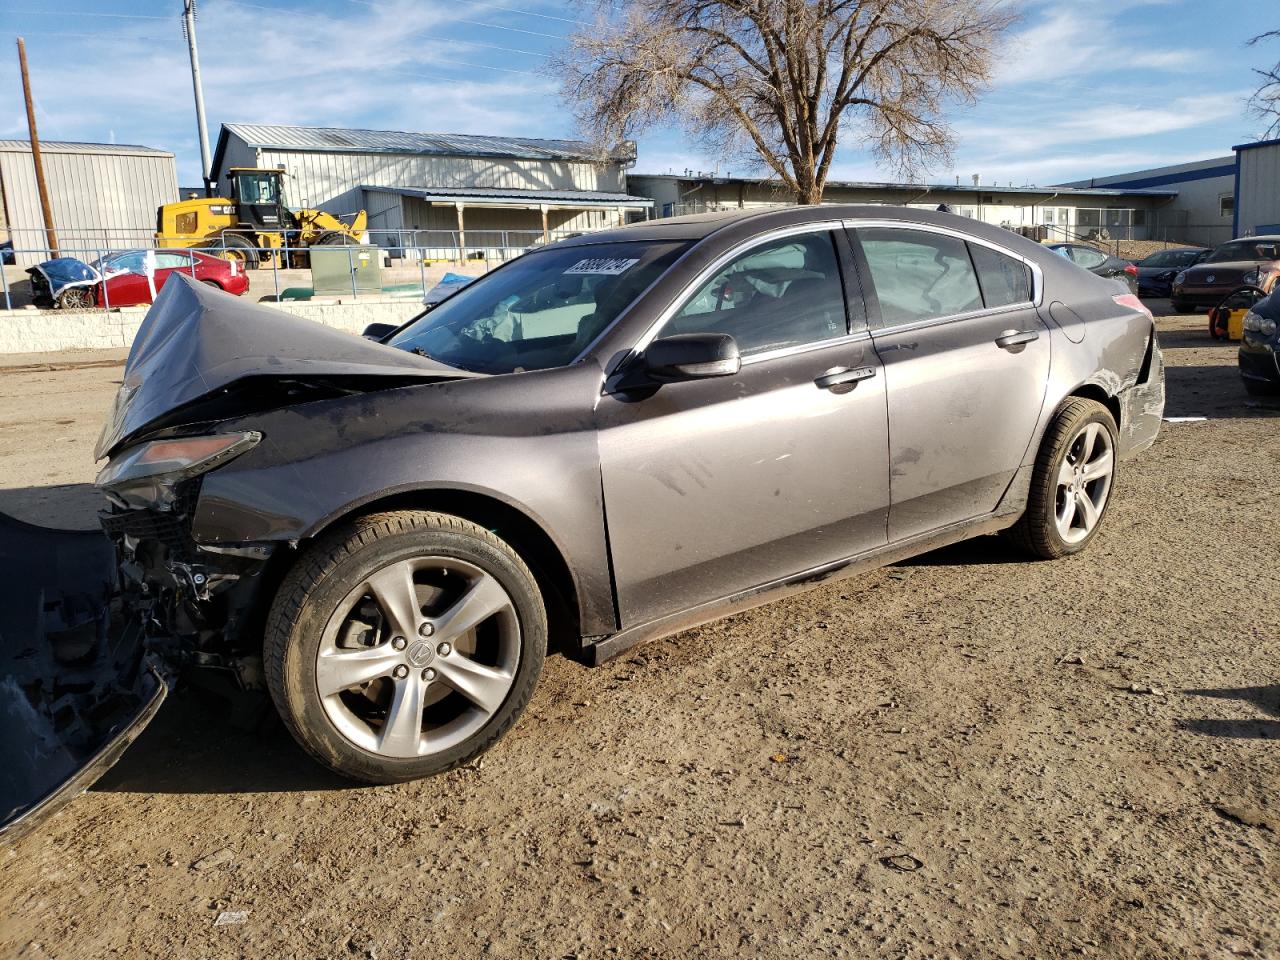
[
  {"x": 1238, "y": 250},
  {"x": 258, "y": 187},
  {"x": 540, "y": 310},
  {"x": 1169, "y": 258}
]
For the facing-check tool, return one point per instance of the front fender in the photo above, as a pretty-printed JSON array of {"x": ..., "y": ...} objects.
[{"x": 526, "y": 440}]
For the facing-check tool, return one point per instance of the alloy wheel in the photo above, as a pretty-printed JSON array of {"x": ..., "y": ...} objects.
[
  {"x": 1084, "y": 482},
  {"x": 418, "y": 657}
]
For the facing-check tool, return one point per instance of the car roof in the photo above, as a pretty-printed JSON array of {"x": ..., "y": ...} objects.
[{"x": 745, "y": 222}]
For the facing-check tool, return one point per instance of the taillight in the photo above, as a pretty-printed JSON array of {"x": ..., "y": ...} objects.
[
  {"x": 1131, "y": 270},
  {"x": 1132, "y": 302}
]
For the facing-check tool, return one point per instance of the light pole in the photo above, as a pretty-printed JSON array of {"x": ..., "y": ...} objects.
[{"x": 189, "y": 29}]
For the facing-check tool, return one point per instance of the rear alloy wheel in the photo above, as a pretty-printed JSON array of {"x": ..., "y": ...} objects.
[
  {"x": 1071, "y": 485},
  {"x": 404, "y": 645}
]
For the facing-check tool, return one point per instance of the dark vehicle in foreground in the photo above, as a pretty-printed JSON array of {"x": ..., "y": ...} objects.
[
  {"x": 128, "y": 278},
  {"x": 1095, "y": 261},
  {"x": 1156, "y": 272},
  {"x": 1259, "y": 355},
  {"x": 607, "y": 440},
  {"x": 1250, "y": 262}
]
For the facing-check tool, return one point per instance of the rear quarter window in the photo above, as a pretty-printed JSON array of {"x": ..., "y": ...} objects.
[{"x": 1003, "y": 279}]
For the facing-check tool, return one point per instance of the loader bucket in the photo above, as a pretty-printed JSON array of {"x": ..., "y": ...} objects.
[{"x": 76, "y": 687}]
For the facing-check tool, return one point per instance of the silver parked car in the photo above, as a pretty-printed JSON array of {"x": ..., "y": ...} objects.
[{"x": 604, "y": 441}]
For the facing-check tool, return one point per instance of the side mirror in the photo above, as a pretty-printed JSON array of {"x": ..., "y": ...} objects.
[
  {"x": 377, "y": 331},
  {"x": 691, "y": 356}
]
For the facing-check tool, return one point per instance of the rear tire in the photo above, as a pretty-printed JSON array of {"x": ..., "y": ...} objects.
[
  {"x": 347, "y": 655},
  {"x": 1257, "y": 388},
  {"x": 1076, "y": 462},
  {"x": 212, "y": 283}
]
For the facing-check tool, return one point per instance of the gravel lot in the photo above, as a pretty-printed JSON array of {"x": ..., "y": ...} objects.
[{"x": 965, "y": 756}]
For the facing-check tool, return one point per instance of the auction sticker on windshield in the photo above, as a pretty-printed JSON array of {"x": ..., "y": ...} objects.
[{"x": 601, "y": 267}]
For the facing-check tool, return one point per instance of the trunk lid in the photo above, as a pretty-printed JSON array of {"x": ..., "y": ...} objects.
[{"x": 196, "y": 341}]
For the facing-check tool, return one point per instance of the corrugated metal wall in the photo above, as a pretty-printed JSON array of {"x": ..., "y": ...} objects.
[
  {"x": 99, "y": 200},
  {"x": 1258, "y": 199},
  {"x": 331, "y": 181}
]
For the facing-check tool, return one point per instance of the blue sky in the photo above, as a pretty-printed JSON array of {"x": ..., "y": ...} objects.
[{"x": 1084, "y": 87}]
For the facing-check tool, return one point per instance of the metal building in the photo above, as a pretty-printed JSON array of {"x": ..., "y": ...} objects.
[
  {"x": 1054, "y": 213},
  {"x": 104, "y": 196},
  {"x": 458, "y": 190},
  {"x": 1257, "y": 174},
  {"x": 1204, "y": 208}
]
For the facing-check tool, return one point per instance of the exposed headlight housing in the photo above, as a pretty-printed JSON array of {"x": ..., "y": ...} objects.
[
  {"x": 1251, "y": 278},
  {"x": 1180, "y": 278},
  {"x": 145, "y": 476},
  {"x": 1256, "y": 323}
]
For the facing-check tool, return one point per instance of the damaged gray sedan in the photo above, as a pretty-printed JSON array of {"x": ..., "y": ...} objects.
[{"x": 606, "y": 440}]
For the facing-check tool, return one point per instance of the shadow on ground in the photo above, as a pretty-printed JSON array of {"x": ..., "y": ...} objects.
[
  {"x": 203, "y": 742},
  {"x": 67, "y": 506},
  {"x": 1266, "y": 699},
  {"x": 1214, "y": 391}
]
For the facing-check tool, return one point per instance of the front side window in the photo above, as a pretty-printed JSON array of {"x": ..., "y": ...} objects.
[
  {"x": 540, "y": 310},
  {"x": 783, "y": 293},
  {"x": 258, "y": 188},
  {"x": 919, "y": 275}
]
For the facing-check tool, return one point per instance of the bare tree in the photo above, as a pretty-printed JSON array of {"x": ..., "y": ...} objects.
[
  {"x": 1265, "y": 102},
  {"x": 783, "y": 77}
]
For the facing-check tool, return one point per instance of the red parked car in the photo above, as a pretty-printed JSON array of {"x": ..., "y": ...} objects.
[{"x": 121, "y": 279}]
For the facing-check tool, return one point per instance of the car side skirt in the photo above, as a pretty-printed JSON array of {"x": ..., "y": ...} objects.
[{"x": 1007, "y": 515}]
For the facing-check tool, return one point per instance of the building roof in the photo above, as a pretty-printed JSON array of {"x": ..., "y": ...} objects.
[
  {"x": 66, "y": 146},
  {"x": 924, "y": 189},
  {"x": 504, "y": 197},
  {"x": 345, "y": 140}
]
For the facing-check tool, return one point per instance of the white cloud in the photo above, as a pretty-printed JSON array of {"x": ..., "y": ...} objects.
[{"x": 383, "y": 66}]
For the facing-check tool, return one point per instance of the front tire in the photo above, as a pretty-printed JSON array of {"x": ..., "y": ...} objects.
[
  {"x": 1180, "y": 307},
  {"x": 1071, "y": 484},
  {"x": 404, "y": 644}
]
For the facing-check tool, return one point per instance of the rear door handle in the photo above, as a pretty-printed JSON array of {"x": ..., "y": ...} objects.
[
  {"x": 1015, "y": 340},
  {"x": 839, "y": 375}
]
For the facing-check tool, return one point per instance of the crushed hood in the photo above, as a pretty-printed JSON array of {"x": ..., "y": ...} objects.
[{"x": 196, "y": 341}]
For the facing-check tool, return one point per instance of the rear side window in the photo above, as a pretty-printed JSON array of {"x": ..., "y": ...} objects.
[
  {"x": 1004, "y": 280},
  {"x": 919, "y": 275},
  {"x": 1087, "y": 257}
]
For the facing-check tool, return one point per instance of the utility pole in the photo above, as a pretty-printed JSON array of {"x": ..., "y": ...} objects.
[
  {"x": 189, "y": 29},
  {"x": 41, "y": 186}
]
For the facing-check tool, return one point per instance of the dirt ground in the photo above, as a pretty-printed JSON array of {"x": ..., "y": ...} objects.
[{"x": 968, "y": 755}]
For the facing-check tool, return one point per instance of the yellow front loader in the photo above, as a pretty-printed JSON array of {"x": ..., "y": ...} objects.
[{"x": 254, "y": 217}]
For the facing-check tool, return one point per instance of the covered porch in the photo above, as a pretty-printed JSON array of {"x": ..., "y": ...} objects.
[{"x": 472, "y": 223}]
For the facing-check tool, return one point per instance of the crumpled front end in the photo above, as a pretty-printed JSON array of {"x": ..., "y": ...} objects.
[{"x": 77, "y": 682}]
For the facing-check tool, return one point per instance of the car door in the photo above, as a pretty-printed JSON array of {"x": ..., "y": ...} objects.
[
  {"x": 716, "y": 486},
  {"x": 966, "y": 364},
  {"x": 169, "y": 263},
  {"x": 126, "y": 285}
]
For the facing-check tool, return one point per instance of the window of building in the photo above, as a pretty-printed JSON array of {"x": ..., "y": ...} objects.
[{"x": 1226, "y": 206}]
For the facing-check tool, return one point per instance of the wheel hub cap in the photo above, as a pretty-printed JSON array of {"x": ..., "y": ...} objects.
[{"x": 420, "y": 654}]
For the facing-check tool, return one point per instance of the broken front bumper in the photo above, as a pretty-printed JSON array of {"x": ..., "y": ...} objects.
[{"x": 76, "y": 683}]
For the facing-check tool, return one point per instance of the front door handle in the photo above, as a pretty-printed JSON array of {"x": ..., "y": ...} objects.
[
  {"x": 839, "y": 375},
  {"x": 1016, "y": 340}
]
